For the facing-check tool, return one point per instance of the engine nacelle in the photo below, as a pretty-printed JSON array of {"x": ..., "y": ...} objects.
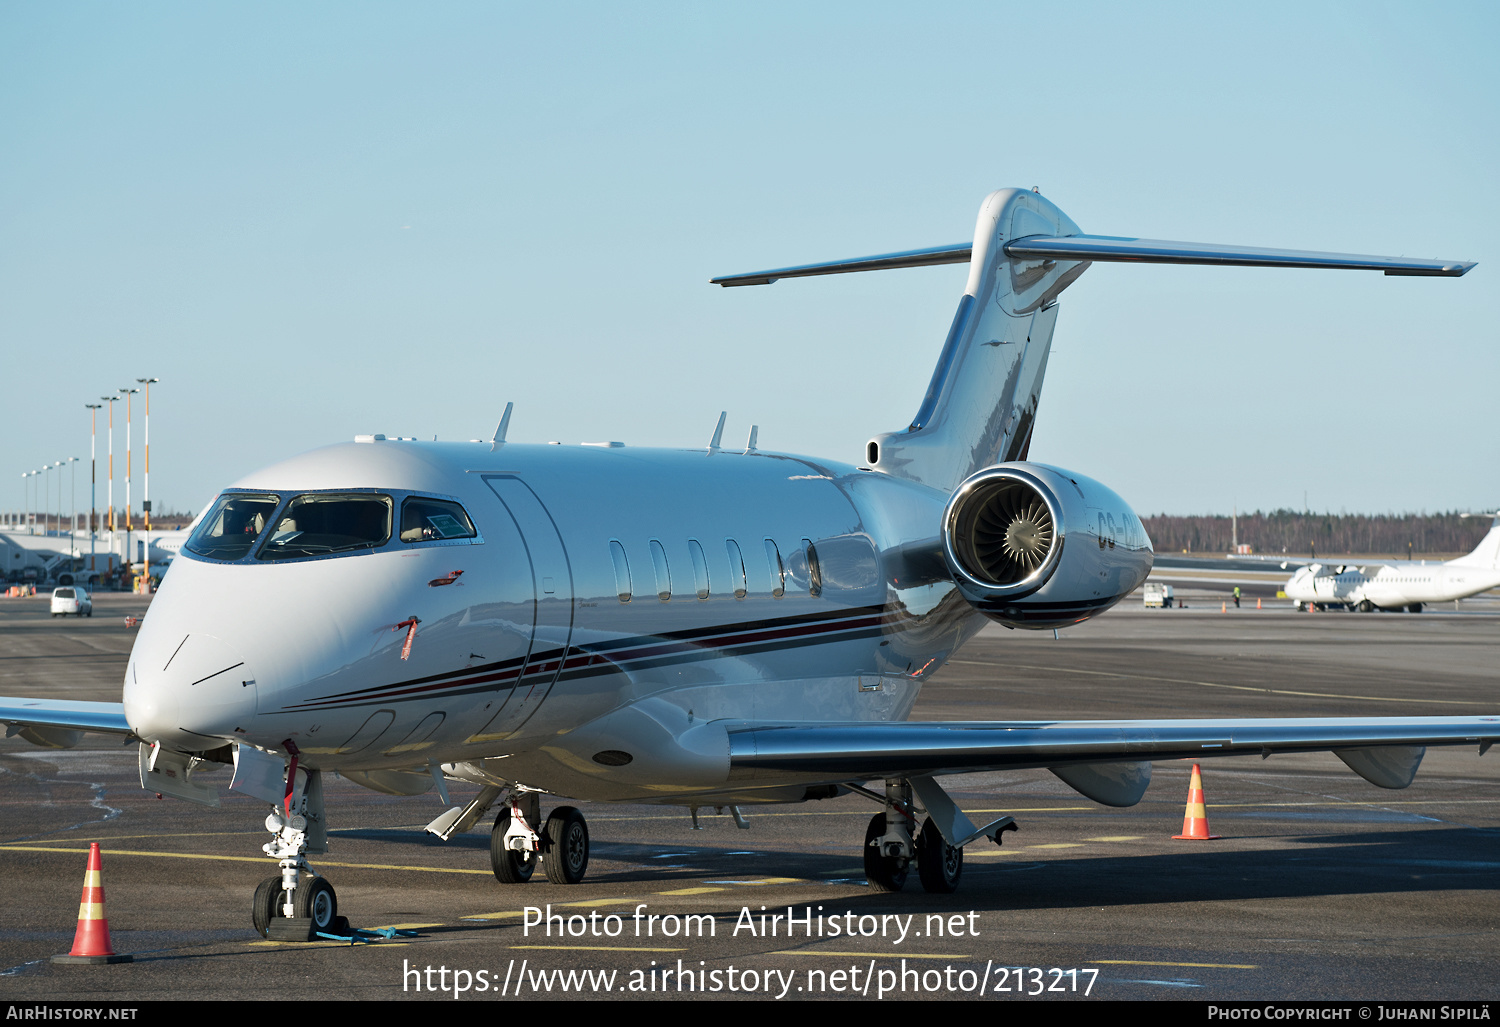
[{"x": 1033, "y": 546}]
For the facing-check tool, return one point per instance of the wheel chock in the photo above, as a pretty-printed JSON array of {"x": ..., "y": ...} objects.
[
  {"x": 291, "y": 928},
  {"x": 91, "y": 943}
]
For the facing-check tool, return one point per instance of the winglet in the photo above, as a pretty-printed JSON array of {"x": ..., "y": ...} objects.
[
  {"x": 501, "y": 428},
  {"x": 713, "y": 443}
]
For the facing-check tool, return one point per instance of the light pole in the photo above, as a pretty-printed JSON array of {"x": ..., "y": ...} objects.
[
  {"x": 26, "y": 487},
  {"x": 93, "y": 409},
  {"x": 129, "y": 516},
  {"x": 46, "y": 500},
  {"x": 146, "y": 492},
  {"x": 111, "y": 400},
  {"x": 73, "y": 500}
]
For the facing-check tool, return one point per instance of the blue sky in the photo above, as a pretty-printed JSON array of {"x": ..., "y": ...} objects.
[{"x": 313, "y": 221}]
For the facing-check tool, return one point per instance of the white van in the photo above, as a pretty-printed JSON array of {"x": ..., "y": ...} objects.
[{"x": 72, "y": 599}]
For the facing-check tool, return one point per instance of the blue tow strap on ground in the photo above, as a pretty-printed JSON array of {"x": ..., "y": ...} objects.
[{"x": 361, "y": 934}]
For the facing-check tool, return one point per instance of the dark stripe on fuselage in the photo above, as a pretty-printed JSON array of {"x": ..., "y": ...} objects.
[{"x": 630, "y": 653}]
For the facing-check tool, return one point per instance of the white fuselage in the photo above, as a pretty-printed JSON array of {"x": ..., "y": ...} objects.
[{"x": 528, "y": 644}]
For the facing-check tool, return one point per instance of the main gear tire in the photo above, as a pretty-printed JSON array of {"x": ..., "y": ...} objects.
[
  {"x": 566, "y": 837},
  {"x": 885, "y": 873},
  {"x": 939, "y": 864},
  {"x": 510, "y": 866}
]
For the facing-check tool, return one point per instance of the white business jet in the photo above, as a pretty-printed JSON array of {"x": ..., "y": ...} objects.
[
  {"x": 1403, "y": 584},
  {"x": 714, "y": 626}
]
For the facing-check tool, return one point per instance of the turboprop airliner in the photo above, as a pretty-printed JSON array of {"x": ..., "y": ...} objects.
[
  {"x": 707, "y": 626},
  {"x": 1399, "y": 585}
]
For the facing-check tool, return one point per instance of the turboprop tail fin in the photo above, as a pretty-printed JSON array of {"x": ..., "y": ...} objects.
[
  {"x": 981, "y": 404},
  {"x": 1487, "y": 553}
]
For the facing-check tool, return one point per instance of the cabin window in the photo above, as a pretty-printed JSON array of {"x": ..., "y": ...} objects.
[
  {"x": 230, "y": 529},
  {"x": 802, "y": 568},
  {"x": 322, "y": 524},
  {"x": 736, "y": 568},
  {"x": 663, "y": 573},
  {"x": 700, "y": 568},
  {"x": 622, "y": 570},
  {"x": 778, "y": 571},
  {"x": 433, "y": 520}
]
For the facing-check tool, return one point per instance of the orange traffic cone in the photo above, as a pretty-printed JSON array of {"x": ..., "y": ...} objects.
[
  {"x": 91, "y": 944},
  {"x": 1223, "y": 607},
  {"x": 1195, "y": 817},
  {"x": 1257, "y": 604}
]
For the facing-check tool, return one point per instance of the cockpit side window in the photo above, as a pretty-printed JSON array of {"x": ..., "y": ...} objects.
[
  {"x": 318, "y": 524},
  {"x": 430, "y": 520},
  {"x": 231, "y": 528}
]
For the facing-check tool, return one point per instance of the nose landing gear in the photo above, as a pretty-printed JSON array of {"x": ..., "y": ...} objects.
[{"x": 297, "y": 902}]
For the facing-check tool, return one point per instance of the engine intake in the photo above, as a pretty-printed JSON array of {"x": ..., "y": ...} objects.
[{"x": 1006, "y": 533}]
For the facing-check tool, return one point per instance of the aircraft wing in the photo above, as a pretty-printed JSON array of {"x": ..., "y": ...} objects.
[
  {"x": 862, "y": 751},
  {"x": 58, "y": 723}
]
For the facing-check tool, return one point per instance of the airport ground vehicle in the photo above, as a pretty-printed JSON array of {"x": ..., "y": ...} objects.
[
  {"x": 72, "y": 599},
  {"x": 1158, "y": 595}
]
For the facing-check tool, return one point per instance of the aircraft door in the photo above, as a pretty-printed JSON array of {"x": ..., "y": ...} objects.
[{"x": 552, "y": 580}]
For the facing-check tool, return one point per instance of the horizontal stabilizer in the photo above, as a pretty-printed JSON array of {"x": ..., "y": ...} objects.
[
  {"x": 1161, "y": 251},
  {"x": 1119, "y": 249},
  {"x": 958, "y": 253}
]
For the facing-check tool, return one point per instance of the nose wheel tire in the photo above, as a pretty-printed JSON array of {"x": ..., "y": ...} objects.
[
  {"x": 939, "y": 864},
  {"x": 510, "y": 866},
  {"x": 266, "y": 906},
  {"x": 316, "y": 900},
  {"x": 567, "y": 839},
  {"x": 885, "y": 873}
]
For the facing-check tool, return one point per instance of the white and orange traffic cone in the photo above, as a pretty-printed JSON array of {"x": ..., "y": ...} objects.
[
  {"x": 91, "y": 943},
  {"x": 1257, "y": 603},
  {"x": 1195, "y": 817}
]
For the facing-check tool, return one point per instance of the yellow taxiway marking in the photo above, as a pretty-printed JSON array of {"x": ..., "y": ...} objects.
[
  {"x": 1117, "y": 838},
  {"x": 1057, "y": 845},
  {"x": 690, "y": 891},
  {"x": 989, "y": 854},
  {"x": 767, "y": 880},
  {"x": 1237, "y": 688},
  {"x": 597, "y": 948},
  {"x": 502, "y": 914},
  {"x": 597, "y": 902},
  {"x": 406, "y": 927},
  {"x": 872, "y": 955},
  {"x": 244, "y": 859},
  {"x": 1155, "y": 962}
]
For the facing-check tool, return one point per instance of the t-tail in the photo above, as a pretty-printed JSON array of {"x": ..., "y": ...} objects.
[{"x": 981, "y": 405}]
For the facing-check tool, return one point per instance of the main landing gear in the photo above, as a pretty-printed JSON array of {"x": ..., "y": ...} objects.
[
  {"x": 891, "y": 847},
  {"x": 561, "y": 846}
]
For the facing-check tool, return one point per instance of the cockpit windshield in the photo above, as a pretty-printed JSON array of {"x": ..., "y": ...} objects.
[
  {"x": 229, "y": 530},
  {"x": 322, "y": 523}
]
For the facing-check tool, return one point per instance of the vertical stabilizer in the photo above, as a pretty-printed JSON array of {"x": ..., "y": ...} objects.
[
  {"x": 1487, "y": 553},
  {"x": 981, "y": 405}
]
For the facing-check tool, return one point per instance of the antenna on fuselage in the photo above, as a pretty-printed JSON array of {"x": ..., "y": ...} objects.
[
  {"x": 713, "y": 443},
  {"x": 501, "y": 428}
]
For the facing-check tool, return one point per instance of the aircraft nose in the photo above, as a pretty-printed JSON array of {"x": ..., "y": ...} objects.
[{"x": 201, "y": 694}]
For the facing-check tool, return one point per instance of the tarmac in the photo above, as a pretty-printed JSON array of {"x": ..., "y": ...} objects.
[{"x": 1322, "y": 886}]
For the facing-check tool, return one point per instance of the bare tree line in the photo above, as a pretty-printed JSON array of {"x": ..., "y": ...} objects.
[{"x": 1297, "y": 533}]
